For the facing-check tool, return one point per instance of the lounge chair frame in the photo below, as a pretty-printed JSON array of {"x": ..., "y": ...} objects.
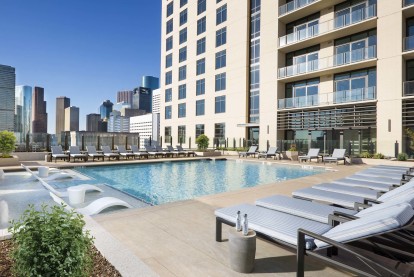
[{"x": 61, "y": 155}]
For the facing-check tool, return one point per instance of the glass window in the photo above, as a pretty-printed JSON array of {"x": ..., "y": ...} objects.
[
  {"x": 220, "y": 106},
  {"x": 181, "y": 134},
  {"x": 168, "y": 95},
  {"x": 220, "y": 130},
  {"x": 200, "y": 87},
  {"x": 255, "y": 26},
  {"x": 199, "y": 130},
  {"x": 181, "y": 110},
  {"x": 199, "y": 107},
  {"x": 182, "y": 73},
  {"x": 168, "y": 77},
  {"x": 355, "y": 48},
  {"x": 220, "y": 82},
  {"x": 255, "y": 6},
  {"x": 254, "y": 106},
  {"x": 168, "y": 60},
  {"x": 183, "y": 35},
  {"x": 254, "y": 76},
  {"x": 201, "y": 6},
  {"x": 201, "y": 66},
  {"x": 169, "y": 27},
  {"x": 169, "y": 43},
  {"x": 182, "y": 55},
  {"x": 167, "y": 134},
  {"x": 201, "y": 25},
  {"x": 183, "y": 2},
  {"x": 183, "y": 17},
  {"x": 170, "y": 9},
  {"x": 255, "y": 51},
  {"x": 182, "y": 91},
  {"x": 221, "y": 59},
  {"x": 218, "y": 1},
  {"x": 201, "y": 46},
  {"x": 221, "y": 14},
  {"x": 168, "y": 112},
  {"x": 221, "y": 36}
]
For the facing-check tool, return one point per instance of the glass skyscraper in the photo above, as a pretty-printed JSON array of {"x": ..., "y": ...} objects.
[
  {"x": 7, "y": 98},
  {"x": 23, "y": 112}
]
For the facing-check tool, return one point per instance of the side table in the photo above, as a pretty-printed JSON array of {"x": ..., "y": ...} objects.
[
  {"x": 242, "y": 250},
  {"x": 76, "y": 195}
]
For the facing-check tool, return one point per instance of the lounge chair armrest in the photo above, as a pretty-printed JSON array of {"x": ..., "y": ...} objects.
[
  {"x": 345, "y": 215},
  {"x": 360, "y": 206},
  {"x": 338, "y": 217},
  {"x": 407, "y": 177},
  {"x": 374, "y": 201}
]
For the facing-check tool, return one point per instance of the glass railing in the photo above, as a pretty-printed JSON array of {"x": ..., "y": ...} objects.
[
  {"x": 408, "y": 88},
  {"x": 328, "y": 62},
  {"x": 408, "y": 3},
  {"x": 327, "y": 26},
  {"x": 294, "y": 5},
  {"x": 408, "y": 43},
  {"x": 354, "y": 95},
  {"x": 299, "y": 102}
]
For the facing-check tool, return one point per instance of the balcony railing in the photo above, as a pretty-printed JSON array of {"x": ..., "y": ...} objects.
[
  {"x": 408, "y": 3},
  {"x": 327, "y": 26},
  {"x": 337, "y": 97},
  {"x": 329, "y": 62},
  {"x": 408, "y": 88},
  {"x": 293, "y": 5},
  {"x": 408, "y": 43}
]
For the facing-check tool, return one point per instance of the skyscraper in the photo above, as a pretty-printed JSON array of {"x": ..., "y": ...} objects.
[
  {"x": 39, "y": 114},
  {"x": 72, "y": 118},
  {"x": 92, "y": 122},
  {"x": 7, "y": 97},
  {"x": 142, "y": 99},
  {"x": 23, "y": 112},
  {"x": 62, "y": 103},
  {"x": 150, "y": 82},
  {"x": 105, "y": 109},
  {"x": 156, "y": 100},
  {"x": 124, "y": 96}
]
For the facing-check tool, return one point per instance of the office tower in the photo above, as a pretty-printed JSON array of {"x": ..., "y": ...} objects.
[
  {"x": 92, "y": 122},
  {"x": 118, "y": 106},
  {"x": 150, "y": 82},
  {"x": 7, "y": 97},
  {"x": 23, "y": 113},
  {"x": 62, "y": 103},
  {"x": 105, "y": 109},
  {"x": 124, "y": 96},
  {"x": 118, "y": 123},
  {"x": 148, "y": 127},
  {"x": 72, "y": 118},
  {"x": 39, "y": 114},
  {"x": 142, "y": 99},
  {"x": 156, "y": 100}
]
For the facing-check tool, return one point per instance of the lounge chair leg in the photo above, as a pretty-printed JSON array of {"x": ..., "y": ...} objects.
[
  {"x": 300, "y": 255},
  {"x": 218, "y": 229}
]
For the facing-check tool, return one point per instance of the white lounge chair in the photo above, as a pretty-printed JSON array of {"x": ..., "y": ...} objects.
[
  {"x": 357, "y": 191},
  {"x": 108, "y": 153},
  {"x": 164, "y": 153},
  {"x": 122, "y": 151},
  {"x": 366, "y": 184},
  {"x": 252, "y": 151},
  {"x": 92, "y": 153},
  {"x": 337, "y": 155},
  {"x": 153, "y": 152},
  {"x": 187, "y": 152},
  {"x": 175, "y": 152},
  {"x": 137, "y": 153},
  {"x": 75, "y": 153},
  {"x": 313, "y": 153},
  {"x": 379, "y": 180},
  {"x": 94, "y": 207},
  {"x": 57, "y": 153},
  {"x": 270, "y": 153},
  {"x": 55, "y": 176},
  {"x": 380, "y": 173}
]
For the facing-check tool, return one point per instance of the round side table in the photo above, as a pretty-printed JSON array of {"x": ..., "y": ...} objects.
[
  {"x": 242, "y": 250},
  {"x": 76, "y": 195}
]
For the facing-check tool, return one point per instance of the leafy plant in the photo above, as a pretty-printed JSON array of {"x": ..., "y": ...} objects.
[
  {"x": 293, "y": 147},
  {"x": 410, "y": 134},
  {"x": 378, "y": 156},
  {"x": 51, "y": 242},
  {"x": 202, "y": 142},
  {"x": 402, "y": 156},
  {"x": 365, "y": 154},
  {"x": 7, "y": 142}
]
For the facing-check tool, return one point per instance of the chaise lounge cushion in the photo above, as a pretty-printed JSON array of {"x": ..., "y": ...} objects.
[{"x": 397, "y": 192}]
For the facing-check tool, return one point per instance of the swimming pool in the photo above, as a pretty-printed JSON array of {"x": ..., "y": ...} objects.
[{"x": 159, "y": 183}]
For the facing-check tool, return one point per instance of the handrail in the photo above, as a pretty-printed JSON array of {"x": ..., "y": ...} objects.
[{"x": 293, "y": 5}]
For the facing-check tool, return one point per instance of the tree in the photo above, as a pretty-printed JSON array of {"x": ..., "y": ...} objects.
[
  {"x": 7, "y": 142},
  {"x": 202, "y": 142}
]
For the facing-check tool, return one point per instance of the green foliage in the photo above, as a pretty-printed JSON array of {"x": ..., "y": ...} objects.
[
  {"x": 7, "y": 142},
  {"x": 51, "y": 242},
  {"x": 365, "y": 154},
  {"x": 402, "y": 156},
  {"x": 202, "y": 142},
  {"x": 293, "y": 147},
  {"x": 378, "y": 156},
  {"x": 410, "y": 134}
]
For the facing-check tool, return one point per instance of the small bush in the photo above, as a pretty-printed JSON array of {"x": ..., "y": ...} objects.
[
  {"x": 365, "y": 154},
  {"x": 402, "y": 157},
  {"x": 51, "y": 242},
  {"x": 293, "y": 147},
  {"x": 378, "y": 156},
  {"x": 7, "y": 142},
  {"x": 202, "y": 142}
]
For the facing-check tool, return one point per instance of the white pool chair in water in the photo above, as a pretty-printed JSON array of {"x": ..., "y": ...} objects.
[
  {"x": 95, "y": 207},
  {"x": 55, "y": 176}
]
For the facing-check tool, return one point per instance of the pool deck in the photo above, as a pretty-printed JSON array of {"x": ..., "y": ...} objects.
[{"x": 178, "y": 239}]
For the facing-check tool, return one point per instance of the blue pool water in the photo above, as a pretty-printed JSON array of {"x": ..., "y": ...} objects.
[{"x": 159, "y": 183}]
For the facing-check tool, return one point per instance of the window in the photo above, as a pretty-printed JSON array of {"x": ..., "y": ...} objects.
[
  {"x": 255, "y": 6},
  {"x": 183, "y": 2},
  {"x": 199, "y": 130},
  {"x": 201, "y": 25},
  {"x": 220, "y": 106},
  {"x": 167, "y": 134},
  {"x": 302, "y": 28},
  {"x": 254, "y": 106},
  {"x": 255, "y": 51},
  {"x": 183, "y": 35},
  {"x": 201, "y": 6},
  {"x": 200, "y": 87},
  {"x": 254, "y": 76},
  {"x": 201, "y": 66},
  {"x": 168, "y": 112},
  {"x": 221, "y": 14},
  {"x": 181, "y": 134},
  {"x": 170, "y": 9},
  {"x": 355, "y": 85},
  {"x": 183, "y": 17},
  {"x": 169, "y": 26},
  {"x": 168, "y": 95},
  {"x": 221, "y": 36},
  {"x": 220, "y": 82},
  {"x": 182, "y": 91},
  {"x": 181, "y": 110},
  {"x": 182, "y": 55},
  {"x": 218, "y": 1},
  {"x": 350, "y": 12},
  {"x": 221, "y": 59},
  {"x": 220, "y": 130},
  {"x": 199, "y": 107},
  {"x": 168, "y": 61},
  {"x": 168, "y": 77},
  {"x": 255, "y": 26},
  {"x": 201, "y": 46},
  {"x": 182, "y": 73},
  {"x": 304, "y": 93},
  {"x": 169, "y": 43}
]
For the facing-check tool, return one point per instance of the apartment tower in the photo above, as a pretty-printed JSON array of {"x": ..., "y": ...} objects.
[
  {"x": 7, "y": 97},
  {"x": 39, "y": 114},
  {"x": 62, "y": 103}
]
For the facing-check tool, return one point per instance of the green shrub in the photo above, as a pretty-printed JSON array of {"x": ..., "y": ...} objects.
[
  {"x": 365, "y": 154},
  {"x": 7, "y": 142},
  {"x": 51, "y": 242},
  {"x": 402, "y": 157},
  {"x": 202, "y": 142},
  {"x": 293, "y": 147},
  {"x": 378, "y": 156}
]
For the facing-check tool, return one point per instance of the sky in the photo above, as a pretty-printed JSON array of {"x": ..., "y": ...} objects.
[{"x": 86, "y": 50}]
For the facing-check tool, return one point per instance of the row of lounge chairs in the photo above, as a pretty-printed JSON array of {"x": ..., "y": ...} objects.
[
  {"x": 361, "y": 218},
  {"x": 157, "y": 151}
]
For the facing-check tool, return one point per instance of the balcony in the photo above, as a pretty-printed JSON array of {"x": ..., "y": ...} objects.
[
  {"x": 408, "y": 88},
  {"x": 407, "y": 3},
  {"x": 294, "y": 5},
  {"x": 337, "y": 97},
  {"x": 328, "y": 26},
  {"x": 408, "y": 43},
  {"x": 341, "y": 59}
]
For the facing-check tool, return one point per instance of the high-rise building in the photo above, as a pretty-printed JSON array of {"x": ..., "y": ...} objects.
[
  {"x": 148, "y": 127},
  {"x": 118, "y": 123},
  {"x": 72, "y": 118},
  {"x": 340, "y": 73},
  {"x": 124, "y": 96},
  {"x": 118, "y": 106},
  {"x": 39, "y": 114},
  {"x": 92, "y": 122},
  {"x": 7, "y": 97},
  {"x": 150, "y": 82},
  {"x": 62, "y": 103},
  {"x": 156, "y": 101},
  {"x": 23, "y": 113},
  {"x": 105, "y": 109},
  {"x": 142, "y": 99}
]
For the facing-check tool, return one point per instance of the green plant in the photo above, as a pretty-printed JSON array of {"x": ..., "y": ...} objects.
[
  {"x": 410, "y": 134},
  {"x": 202, "y": 142},
  {"x": 7, "y": 142},
  {"x": 51, "y": 242},
  {"x": 365, "y": 154},
  {"x": 402, "y": 156},
  {"x": 293, "y": 147},
  {"x": 378, "y": 156}
]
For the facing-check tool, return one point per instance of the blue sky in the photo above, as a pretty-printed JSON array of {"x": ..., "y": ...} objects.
[{"x": 86, "y": 50}]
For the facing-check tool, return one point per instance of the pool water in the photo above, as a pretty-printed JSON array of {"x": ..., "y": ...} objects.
[{"x": 159, "y": 183}]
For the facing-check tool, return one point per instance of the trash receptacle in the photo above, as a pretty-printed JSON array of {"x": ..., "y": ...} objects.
[{"x": 242, "y": 250}]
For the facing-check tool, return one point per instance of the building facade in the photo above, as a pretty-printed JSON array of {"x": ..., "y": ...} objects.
[
  {"x": 105, "y": 109},
  {"x": 92, "y": 122},
  {"x": 23, "y": 113},
  {"x": 118, "y": 123},
  {"x": 7, "y": 97},
  {"x": 62, "y": 103},
  {"x": 72, "y": 118},
  {"x": 156, "y": 101},
  {"x": 148, "y": 127},
  {"x": 39, "y": 114},
  {"x": 150, "y": 82},
  {"x": 124, "y": 96}
]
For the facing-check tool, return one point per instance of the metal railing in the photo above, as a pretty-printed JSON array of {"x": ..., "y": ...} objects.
[
  {"x": 326, "y": 26},
  {"x": 354, "y": 95},
  {"x": 294, "y": 5},
  {"x": 408, "y": 88}
]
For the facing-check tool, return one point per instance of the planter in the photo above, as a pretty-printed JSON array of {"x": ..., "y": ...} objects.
[
  {"x": 208, "y": 154},
  {"x": 9, "y": 161},
  {"x": 292, "y": 155}
]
